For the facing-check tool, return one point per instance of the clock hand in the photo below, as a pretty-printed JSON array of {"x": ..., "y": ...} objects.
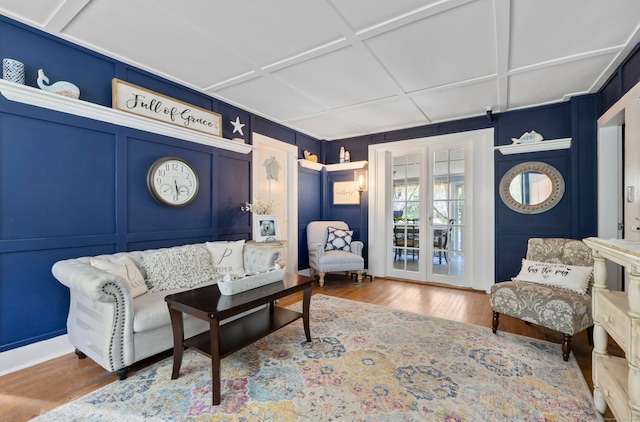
[{"x": 177, "y": 190}]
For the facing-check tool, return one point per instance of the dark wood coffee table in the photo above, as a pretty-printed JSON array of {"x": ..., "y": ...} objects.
[{"x": 208, "y": 304}]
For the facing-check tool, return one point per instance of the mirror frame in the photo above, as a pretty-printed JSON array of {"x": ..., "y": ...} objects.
[{"x": 557, "y": 187}]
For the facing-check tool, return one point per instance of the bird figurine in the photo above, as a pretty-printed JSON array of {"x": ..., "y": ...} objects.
[{"x": 61, "y": 87}]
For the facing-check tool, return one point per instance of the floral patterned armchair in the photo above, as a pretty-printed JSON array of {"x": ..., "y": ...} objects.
[{"x": 557, "y": 308}]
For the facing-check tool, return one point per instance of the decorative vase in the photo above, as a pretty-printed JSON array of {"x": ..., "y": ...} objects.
[{"x": 13, "y": 71}]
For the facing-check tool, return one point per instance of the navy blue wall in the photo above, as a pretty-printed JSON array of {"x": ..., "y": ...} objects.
[
  {"x": 622, "y": 80},
  {"x": 72, "y": 186},
  {"x": 575, "y": 215}
]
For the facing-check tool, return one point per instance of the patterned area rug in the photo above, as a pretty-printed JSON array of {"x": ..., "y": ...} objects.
[{"x": 365, "y": 363}]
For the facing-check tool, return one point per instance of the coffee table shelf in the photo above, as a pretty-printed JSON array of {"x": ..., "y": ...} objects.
[{"x": 240, "y": 333}]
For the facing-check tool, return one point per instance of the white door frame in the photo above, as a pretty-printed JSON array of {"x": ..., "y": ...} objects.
[
  {"x": 288, "y": 209},
  {"x": 610, "y": 201},
  {"x": 481, "y": 249}
]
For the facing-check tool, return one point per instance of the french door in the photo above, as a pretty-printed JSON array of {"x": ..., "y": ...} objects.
[
  {"x": 416, "y": 188},
  {"x": 427, "y": 193}
]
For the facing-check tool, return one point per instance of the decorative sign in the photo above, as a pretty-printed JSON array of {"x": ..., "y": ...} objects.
[
  {"x": 345, "y": 193},
  {"x": 143, "y": 102}
]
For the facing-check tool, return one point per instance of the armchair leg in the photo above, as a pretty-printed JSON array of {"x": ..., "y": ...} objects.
[
  {"x": 494, "y": 322},
  {"x": 359, "y": 276},
  {"x": 321, "y": 279},
  {"x": 566, "y": 347}
]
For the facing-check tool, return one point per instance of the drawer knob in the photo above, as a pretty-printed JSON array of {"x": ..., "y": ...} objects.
[{"x": 607, "y": 318}]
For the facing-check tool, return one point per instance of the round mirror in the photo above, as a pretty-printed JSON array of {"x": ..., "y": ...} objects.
[{"x": 532, "y": 187}]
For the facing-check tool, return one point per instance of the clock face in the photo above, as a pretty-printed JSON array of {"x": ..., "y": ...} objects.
[{"x": 172, "y": 182}]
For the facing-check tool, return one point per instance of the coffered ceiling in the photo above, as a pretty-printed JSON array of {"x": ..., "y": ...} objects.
[{"x": 340, "y": 68}]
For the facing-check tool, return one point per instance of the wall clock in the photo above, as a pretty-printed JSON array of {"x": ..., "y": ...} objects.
[{"x": 172, "y": 182}]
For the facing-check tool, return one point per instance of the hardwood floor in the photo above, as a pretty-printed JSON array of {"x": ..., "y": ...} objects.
[{"x": 32, "y": 391}]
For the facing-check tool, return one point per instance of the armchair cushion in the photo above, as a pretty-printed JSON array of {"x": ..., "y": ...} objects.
[
  {"x": 338, "y": 239},
  {"x": 562, "y": 310},
  {"x": 572, "y": 277}
]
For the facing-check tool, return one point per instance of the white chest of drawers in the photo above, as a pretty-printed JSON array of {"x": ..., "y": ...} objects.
[{"x": 616, "y": 380}]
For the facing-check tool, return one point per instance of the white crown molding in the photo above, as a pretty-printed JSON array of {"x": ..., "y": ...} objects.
[
  {"x": 549, "y": 145},
  {"x": 39, "y": 98}
]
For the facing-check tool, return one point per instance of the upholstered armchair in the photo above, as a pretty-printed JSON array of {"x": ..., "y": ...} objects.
[
  {"x": 560, "y": 303},
  {"x": 331, "y": 248}
]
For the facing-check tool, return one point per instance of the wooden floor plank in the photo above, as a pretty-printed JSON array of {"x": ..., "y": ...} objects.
[{"x": 32, "y": 391}]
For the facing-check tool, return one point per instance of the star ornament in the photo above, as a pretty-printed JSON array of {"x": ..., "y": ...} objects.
[{"x": 237, "y": 126}]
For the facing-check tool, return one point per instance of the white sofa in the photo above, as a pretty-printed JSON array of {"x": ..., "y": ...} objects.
[{"x": 114, "y": 328}]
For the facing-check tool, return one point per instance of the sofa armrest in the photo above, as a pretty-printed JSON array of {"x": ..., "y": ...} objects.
[
  {"x": 101, "y": 311},
  {"x": 258, "y": 258},
  {"x": 89, "y": 281}
]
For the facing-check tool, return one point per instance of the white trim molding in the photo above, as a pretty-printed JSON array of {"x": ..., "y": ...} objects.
[
  {"x": 32, "y": 354},
  {"x": 39, "y": 98}
]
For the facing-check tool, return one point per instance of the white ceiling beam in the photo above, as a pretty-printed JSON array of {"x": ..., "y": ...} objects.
[
  {"x": 66, "y": 13},
  {"x": 503, "y": 28}
]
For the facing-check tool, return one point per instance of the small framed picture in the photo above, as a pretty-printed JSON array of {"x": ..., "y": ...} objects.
[{"x": 266, "y": 228}]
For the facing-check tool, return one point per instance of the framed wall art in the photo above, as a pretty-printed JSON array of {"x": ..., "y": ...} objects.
[
  {"x": 266, "y": 228},
  {"x": 345, "y": 193}
]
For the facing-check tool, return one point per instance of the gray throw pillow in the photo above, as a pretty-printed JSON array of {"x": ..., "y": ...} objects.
[{"x": 179, "y": 267}]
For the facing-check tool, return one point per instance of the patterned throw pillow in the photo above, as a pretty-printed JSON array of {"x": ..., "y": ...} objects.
[
  {"x": 227, "y": 258},
  {"x": 572, "y": 277},
  {"x": 125, "y": 268},
  {"x": 182, "y": 266},
  {"x": 339, "y": 239}
]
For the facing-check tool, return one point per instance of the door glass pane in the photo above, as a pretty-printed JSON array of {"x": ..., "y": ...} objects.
[
  {"x": 406, "y": 212},
  {"x": 448, "y": 217}
]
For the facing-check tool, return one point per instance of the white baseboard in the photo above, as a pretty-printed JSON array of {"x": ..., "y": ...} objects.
[{"x": 32, "y": 354}]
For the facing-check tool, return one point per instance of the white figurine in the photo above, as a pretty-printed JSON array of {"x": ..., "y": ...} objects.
[{"x": 61, "y": 87}]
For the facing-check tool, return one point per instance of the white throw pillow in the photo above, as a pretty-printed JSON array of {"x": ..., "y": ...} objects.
[
  {"x": 178, "y": 267},
  {"x": 125, "y": 268},
  {"x": 226, "y": 257},
  {"x": 571, "y": 277}
]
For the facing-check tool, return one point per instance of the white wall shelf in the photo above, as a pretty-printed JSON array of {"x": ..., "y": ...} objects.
[
  {"x": 549, "y": 145},
  {"x": 39, "y": 98},
  {"x": 353, "y": 165}
]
